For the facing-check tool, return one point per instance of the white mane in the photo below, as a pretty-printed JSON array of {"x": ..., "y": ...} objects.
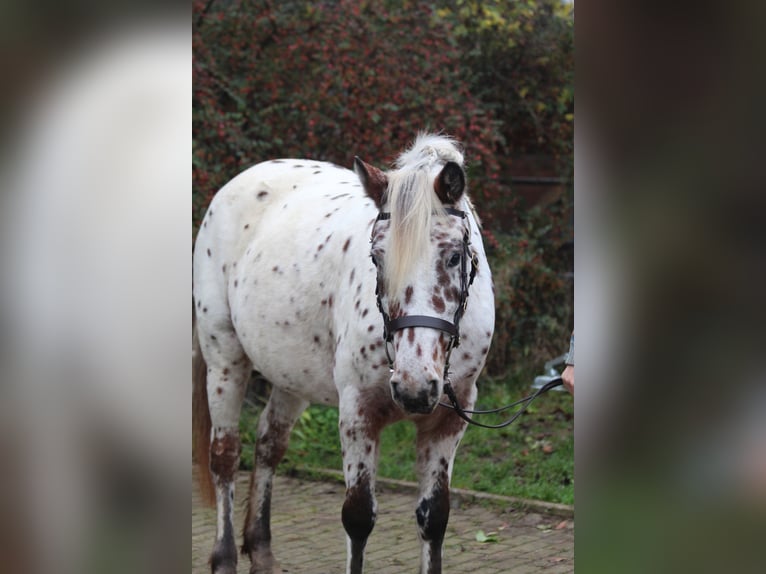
[{"x": 412, "y": 202}]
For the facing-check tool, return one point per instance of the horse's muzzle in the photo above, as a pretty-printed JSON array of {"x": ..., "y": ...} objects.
[{"x": 421, "y": 401}]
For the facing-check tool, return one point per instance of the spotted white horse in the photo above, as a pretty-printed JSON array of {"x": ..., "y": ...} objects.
[{"x": 348, "y": 290}]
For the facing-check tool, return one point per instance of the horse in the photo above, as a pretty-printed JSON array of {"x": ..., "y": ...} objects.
[{"x": 345, "y": 288}]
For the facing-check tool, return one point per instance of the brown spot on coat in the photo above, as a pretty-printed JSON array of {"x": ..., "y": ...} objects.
[
  {"x": 381, "y": 410},
  {"x": 442, "y": 275},
  {"x": 438, "y": 304},
  {"x": 346, "y": 244},
  {"x": 451, "y": 293},
  {"x": 408, "y": 294},
  {"x": 224, "y": 456}
]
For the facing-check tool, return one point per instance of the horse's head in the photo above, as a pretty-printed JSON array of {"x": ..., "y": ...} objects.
[{"x": 424, "y": 266}]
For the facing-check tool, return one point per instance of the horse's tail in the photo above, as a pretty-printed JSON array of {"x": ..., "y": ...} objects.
[{"x": 201, "y": 423}]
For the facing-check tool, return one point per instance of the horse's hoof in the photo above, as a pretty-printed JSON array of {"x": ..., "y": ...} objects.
[
  {"x": 223, "y": 566},
  {"x": 268, "y": 566}
]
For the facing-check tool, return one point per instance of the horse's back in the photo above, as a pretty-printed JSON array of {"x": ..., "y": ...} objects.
[
  {"x": 228, "y": 226},
  {"x": 236, "y": 210},
  {"x": 269, "y": 259}
]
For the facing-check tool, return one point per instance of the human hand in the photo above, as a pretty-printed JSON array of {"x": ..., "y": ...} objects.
[{"x": 567, "y": 376}]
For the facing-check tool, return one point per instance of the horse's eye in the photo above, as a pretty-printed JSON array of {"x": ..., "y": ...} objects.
[{"x": 454, "y": 260}]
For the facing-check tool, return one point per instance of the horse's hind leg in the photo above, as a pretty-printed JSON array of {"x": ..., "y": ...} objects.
[
  {"x": 274, "y": 426},
  {"x": 227, "y": 375}
]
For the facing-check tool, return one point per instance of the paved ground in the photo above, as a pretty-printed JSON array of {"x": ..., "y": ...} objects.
[{"x": 308, "y": 537}]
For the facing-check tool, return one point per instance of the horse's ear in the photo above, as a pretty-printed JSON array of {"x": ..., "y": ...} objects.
[
  {"x": 449, "y": 185},
  {"x": 373, "y": 180}
]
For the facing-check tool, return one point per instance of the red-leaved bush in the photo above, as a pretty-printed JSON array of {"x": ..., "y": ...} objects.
[{"x": 328, "y": 80}]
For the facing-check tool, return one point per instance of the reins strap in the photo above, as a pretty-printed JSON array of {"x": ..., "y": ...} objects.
[{"x": 526, "y": 402}]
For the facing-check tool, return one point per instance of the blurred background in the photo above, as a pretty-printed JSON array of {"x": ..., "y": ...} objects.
[
  {"x": 94, "y": 287},
  {"x": 670, "y": 410}
]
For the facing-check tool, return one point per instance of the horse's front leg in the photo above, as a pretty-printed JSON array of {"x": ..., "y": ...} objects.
[
  {"x": 437, "y": 441},
  {"x": 360, "y": 443}
]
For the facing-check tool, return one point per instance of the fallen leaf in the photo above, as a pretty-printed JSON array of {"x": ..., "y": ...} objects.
[
  {"x": 547, "y": 449},
  {"x": 562, "y": 525},
  {"x": 484, "y": 538}
]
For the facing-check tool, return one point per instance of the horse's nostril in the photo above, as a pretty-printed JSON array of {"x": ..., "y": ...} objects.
[
  {"x": 434, "y": 386},
  {"x": 395, "y": 388}
]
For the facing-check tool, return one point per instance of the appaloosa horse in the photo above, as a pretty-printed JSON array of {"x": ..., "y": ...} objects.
[{"x": 299, "y": 267}]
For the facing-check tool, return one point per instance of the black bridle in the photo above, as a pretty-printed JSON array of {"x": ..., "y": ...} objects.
[{"x": 390, "y": 326}]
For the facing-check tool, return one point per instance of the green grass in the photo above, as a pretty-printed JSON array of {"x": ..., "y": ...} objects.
[{"x": 532, "y": 458}]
